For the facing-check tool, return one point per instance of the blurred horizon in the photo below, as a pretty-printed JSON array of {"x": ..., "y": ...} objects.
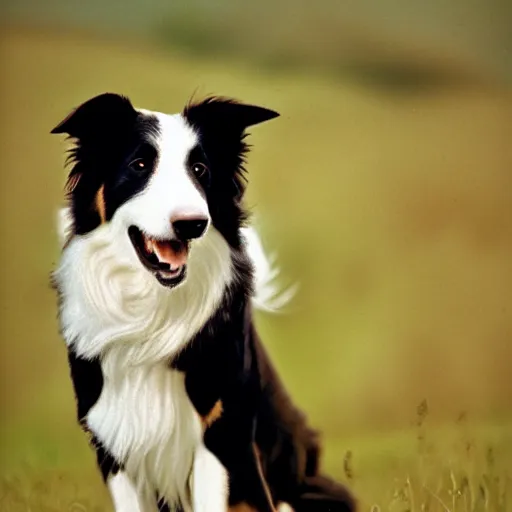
[
  {"x": 384, "y": 189},
  {"x": 437, "y": 40}
]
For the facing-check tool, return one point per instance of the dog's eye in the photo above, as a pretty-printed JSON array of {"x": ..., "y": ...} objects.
[
  {"x": 200, "y": 170},
  {"x": 140, "y": 165}
]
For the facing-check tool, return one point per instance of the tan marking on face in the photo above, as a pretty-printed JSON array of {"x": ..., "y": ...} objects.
[
  {"x": 100, "y": 204},
  {"x": 213, "y": 415}
]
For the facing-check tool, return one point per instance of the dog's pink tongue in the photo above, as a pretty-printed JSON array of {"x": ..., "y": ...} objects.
[{"x": 166, "y": 253}]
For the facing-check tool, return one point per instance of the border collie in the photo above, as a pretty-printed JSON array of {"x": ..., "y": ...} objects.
[{"x": 156, "y": 285}]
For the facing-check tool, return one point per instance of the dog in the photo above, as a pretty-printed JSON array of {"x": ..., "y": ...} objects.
[{"x": 156, "y": 285}]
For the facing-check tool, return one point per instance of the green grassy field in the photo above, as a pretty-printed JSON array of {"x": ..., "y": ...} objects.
[{"x": 393, "y": 213}]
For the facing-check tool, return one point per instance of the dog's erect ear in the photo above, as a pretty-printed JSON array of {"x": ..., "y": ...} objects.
[
  {"x": 226, "y": 113},
  {"x": 97, "y": 116}
]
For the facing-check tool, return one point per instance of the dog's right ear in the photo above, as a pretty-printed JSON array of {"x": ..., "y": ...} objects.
[{"x": 98, "y": 116}]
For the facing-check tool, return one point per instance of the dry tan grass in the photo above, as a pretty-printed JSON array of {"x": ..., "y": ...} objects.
[{"x": 461, "y": 467}]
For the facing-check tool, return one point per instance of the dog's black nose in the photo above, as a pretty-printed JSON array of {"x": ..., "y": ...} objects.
[{"x": 187, "y": 229}]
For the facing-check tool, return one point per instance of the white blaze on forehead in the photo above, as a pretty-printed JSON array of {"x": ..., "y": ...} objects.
[
  {"x": 171, "y": 191},
  {"x": 174, "y": 132},
  {"x": 174, "y": 143}
]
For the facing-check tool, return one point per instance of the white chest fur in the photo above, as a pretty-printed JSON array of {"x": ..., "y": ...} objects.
[
  {"x": 109, "y": 300},
  {"x": 112, "y": 308},
  {"x": 144, "y": 418}
]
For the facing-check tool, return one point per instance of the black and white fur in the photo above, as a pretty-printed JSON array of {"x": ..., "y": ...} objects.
[{"x": 158, "y": 276}]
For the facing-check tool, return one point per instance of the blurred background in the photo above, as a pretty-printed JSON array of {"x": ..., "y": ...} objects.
[{"x": 385, "y": 190}]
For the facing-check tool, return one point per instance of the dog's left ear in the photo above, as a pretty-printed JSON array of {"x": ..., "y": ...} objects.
[
  {"x": 97, "y": 117},
  {"x": 227, "y": 114}
]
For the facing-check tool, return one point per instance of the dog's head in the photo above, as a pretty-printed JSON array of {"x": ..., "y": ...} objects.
[{"x": 166, "y": 180}]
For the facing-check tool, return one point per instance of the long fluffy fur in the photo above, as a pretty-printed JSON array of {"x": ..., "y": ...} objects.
[
  {"x": 267, "y": 296},
  {"x": 157, "y": 283}
]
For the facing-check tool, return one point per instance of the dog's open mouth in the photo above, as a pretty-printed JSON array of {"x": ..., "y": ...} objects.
[{"x": 166, "y": 259}]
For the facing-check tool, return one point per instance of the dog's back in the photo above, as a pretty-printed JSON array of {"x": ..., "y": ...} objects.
[{"x": 290, "y": 449}]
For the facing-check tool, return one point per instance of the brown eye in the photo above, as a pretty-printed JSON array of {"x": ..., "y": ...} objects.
[
  {"x": 139, "y": 165},
  {"x": 200, "y": 170}
]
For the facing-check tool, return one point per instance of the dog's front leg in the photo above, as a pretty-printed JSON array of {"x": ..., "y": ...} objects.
[
  {"x": 209, "y": 483},
  {"x": 125, "y": 496}
]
